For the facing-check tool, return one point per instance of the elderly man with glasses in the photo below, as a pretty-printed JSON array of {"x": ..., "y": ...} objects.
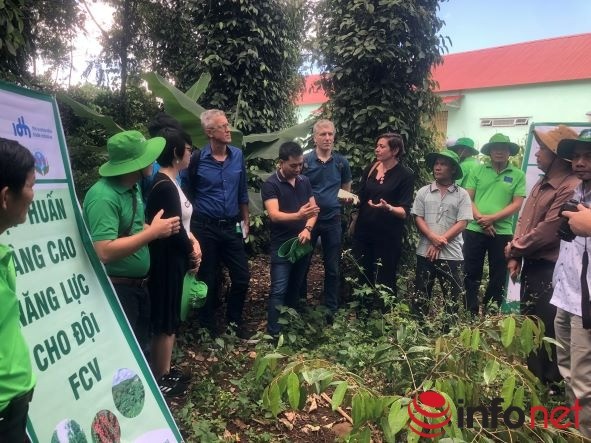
[{"x": 216, "y": 180}]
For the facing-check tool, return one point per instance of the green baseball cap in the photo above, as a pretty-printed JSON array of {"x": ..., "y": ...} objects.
[
  {"x": 194, "y": 295},
  {"x": 129, "y": 151},
  {"x": 293, "y": 250},
  {"x": 567, "y": 147},
  {"x": 501, "y": 141},
  {"x": 432, "y": 156},
  {"x": 464, "y": 143}
]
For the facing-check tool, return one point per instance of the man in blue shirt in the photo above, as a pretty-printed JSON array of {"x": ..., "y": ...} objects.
[
  {"x": 217, "y": 182},
  {"x": 328, "y": 172}
]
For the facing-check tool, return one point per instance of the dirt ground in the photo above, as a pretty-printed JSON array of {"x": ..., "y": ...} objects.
[{"x": 317, "y": 423}]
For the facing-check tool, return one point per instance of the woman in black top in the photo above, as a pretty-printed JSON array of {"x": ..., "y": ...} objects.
[
  {"x": 385, "y": 200},
  {"x": 170, "y": 259}
]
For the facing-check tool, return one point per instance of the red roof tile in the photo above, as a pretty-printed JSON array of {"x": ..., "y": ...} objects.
[
  {"x": 540, "y": 61},
  {"x": 313, "y": 92}
]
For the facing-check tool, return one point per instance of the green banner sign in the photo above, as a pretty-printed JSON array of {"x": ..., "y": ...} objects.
[{"x": 93, "y": 383}]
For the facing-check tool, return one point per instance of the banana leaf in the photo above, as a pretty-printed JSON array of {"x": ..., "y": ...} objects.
[
  {"x": 197, "y": 90},
  {"x": 267, "y": 145},
  {"x": 255, "y": 202},
  {"x": 84, "y": 111},
  {"x": 185, "y": 110}
]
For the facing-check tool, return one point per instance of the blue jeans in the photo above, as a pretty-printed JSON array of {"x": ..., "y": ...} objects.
[
  {"x": 330, "y": 231},
  {"x": 286, "y": 281}
]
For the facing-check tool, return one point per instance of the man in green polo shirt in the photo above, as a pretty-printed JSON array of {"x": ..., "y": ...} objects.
[
  {"x": 114, "y": 214},
  {"x": 17, "y": 176},
  {"x": 497, "y": 191},
  {"x": 464, "y": 148}
]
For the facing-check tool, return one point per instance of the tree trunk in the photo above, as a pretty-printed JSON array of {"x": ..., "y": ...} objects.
[{"x": 127, "y": 27}]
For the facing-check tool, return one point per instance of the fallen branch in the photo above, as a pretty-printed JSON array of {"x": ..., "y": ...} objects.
[{"x": 339, "y": 410}]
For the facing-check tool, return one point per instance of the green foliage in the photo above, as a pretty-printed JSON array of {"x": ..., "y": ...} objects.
[
  {"x": 32, "y": 29},
  {"x": 252, "y": 50},
  {"x": 128, "y": 396},
  {"x": 87, "y": 127},
  {"x": 376, "y": 367},
  {"x": 84, "y": 111},
  {"x": 182, "y": 107},
  {"x": 220, "y": 395},
  {"x": 12, "y": 25},
  {"x": 376, "y": 58}
]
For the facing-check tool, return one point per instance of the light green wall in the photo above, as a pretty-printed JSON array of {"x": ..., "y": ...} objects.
[
  {"x": 541, "y": 103},
  {"x": 304, "y": 111}
]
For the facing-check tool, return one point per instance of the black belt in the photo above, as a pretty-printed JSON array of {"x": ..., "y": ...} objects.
[
  {"x": 538, "y": 262},
  {"x": 128, "y": 281},
  {"x": 230, "y": 221}
]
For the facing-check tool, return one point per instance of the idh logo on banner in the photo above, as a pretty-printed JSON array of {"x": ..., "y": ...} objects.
[{"x": 430, "y": 412}]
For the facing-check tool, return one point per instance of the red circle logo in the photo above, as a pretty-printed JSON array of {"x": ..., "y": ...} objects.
[{"x": 429, "y": 412}]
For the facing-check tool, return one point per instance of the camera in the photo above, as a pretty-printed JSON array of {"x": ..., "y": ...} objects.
[{"x": 564, "y": 231}]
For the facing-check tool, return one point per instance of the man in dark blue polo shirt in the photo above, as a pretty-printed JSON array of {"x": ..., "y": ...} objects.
[
  {"x": 288, "y": 199},
  {"x": 328, "y": 172},
  {"x": 216, "y": 179}
]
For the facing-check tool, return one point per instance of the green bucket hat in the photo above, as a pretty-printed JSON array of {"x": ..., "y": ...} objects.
[
  {"x": 464, "y": 143},
  {"x": 129, "y": 151},
  {"x": 194, "y": 294},
  {"x": 567, "y": 146},
  {"x": 293, "y": 250},
  {"x": 501, "y": 141},
  {"x": 432, "y": 156}
]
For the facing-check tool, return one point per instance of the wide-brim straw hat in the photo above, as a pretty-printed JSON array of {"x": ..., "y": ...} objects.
[{"x": 550, "y": 139}]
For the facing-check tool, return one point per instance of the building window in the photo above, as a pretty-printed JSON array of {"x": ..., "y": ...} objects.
[{"x": 504, "y": 122}]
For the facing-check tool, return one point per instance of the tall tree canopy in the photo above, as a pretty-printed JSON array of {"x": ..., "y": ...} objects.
[
  {"x": 376, "y": 57},
  {"x": 252, "y": 51},
  {"x": 32, "y": 30}
]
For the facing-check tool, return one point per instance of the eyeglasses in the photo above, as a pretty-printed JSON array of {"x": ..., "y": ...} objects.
[{"x": 224, "y": 127}]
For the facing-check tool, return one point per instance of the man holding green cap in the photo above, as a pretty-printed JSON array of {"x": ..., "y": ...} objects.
[
  {"x": 464, "y": 148},
  {"x": 290, "y": 203},
  {"x": 114, "y": 214},
  {"x": 497, "y": 191},
  {"x": 571, "y": 281},
  {"x": 442, "y": 210}
]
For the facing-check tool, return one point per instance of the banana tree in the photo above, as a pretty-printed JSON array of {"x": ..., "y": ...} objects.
[
  {"x": 184, "y": 107},
  {"x": 187, "y": 111}
]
